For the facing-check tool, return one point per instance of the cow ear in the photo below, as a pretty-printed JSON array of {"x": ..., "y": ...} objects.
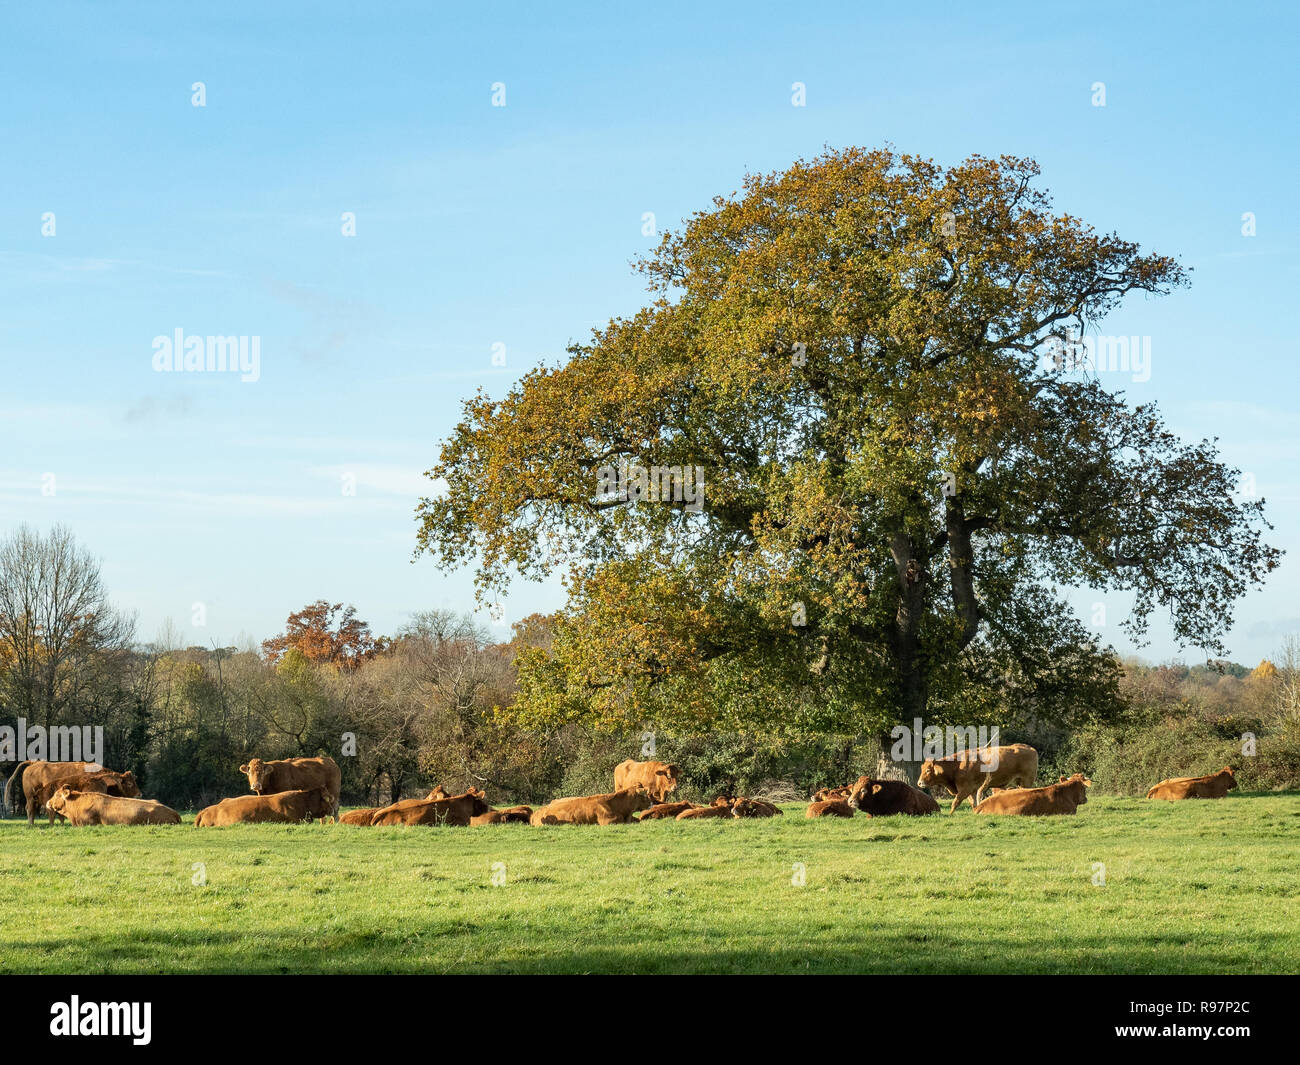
[
  {"x": 1065, "y": 780},
  {"x": 1087, "y": 783},
  {"x": 244, "y": 768},
  {"x": 875, "y": 788}
]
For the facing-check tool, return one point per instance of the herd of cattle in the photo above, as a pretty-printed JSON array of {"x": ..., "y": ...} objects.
[{"x": 291, "y": 790}]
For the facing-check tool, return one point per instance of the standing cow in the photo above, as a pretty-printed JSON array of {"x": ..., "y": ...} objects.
[
  {"x": 35, "y": 778},
  {"x": 968, "y": 774},
  {"x": 295, "y": 774},
  {"x": 658, "y": 778}
]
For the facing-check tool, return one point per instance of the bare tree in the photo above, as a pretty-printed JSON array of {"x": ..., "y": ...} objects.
[{"x": 57, "y": 626}]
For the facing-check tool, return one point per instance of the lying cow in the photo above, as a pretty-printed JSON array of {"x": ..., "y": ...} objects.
[
  {"x": 510, "y": 815},
  {"x": 666, "y": 809},
  {"x": 33, "y": 777},
  {"x": 1215, "y": 786},
  {"x": 658, "y": 778},
  {"x": 294, "y": 774},
  {"x": 826, "y": 794},
  {"x": 615, "y": 808},
  {"x": 284, "y": 807},
  {"x": 755, "y": 808},
  {"x": 359, "y": 817},
  {"x": 720, "y": 807},
  {"x": 1064, "y": 797},
  {"x": 105, "y": 782},
  {"x": 96, "y": 808},
  {"x": 830, "y": 808},
  {"x": 457, "y": 810},
  {"x": 884, "y": 798},
  {"x": 969, "y": 774}
]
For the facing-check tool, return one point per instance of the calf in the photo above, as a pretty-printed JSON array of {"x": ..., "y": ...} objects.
[
  {"x": 721, "y": 807},
  {"x": 1215, "y": 786},
  {"x": 830, "y": 808},
  {"x": 1064, "y": 797},
  {"x": 825, "y": 794},
  {"x": 666, "y": 809},
  {"x": 458, "y": 810},
  {"x": 511, "y": 815},
  {"x": 884, "y": 798},
  {"x": 96, "y": 808},
  {"x": 755, "y": 808},
  {"x": 359, "y": 817},
  {"x": 616, "y": 808},
  {"x": 284, "y": 807}
]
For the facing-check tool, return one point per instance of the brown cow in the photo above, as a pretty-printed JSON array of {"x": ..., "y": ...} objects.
[
  {"x": 359, "y": 817},
  {"x": 295, "y": 774},
  {"x": 1215, "y": 786},
  {"x": 509, "y": 816},
  {"x": 884, "y": 798},
  {"x": 824, "y": 794},
  {"x": 658, "y": 778},
  {"x": 830, "y": 808},
  {"x": 283, "y": 807},
  {"x": 1064, "y": 797},
  {"x": 720, "y": 807},
  {"x": 755, "y": 808},
  {"x": 666, "y": 809},
  {"x": 35, "y": 776},
  {"x": 968, "y": 774},
  {"x": 105, "y": 782},
  {"x": 96, "y": 808},
  {"x": 615, "y": 808},
  {"x": 456, "y": 810}
]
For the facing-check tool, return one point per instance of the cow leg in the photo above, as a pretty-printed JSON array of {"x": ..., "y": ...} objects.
[
  {"x": 957, "y": 801},
  {"x": 978, "y": 797},
  {"x": 31, "y": 814}
]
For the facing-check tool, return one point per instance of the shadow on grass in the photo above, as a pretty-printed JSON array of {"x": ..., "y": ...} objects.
[{"x": 460, "y": 947}]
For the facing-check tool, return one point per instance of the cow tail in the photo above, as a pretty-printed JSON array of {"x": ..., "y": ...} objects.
[{"x": 11, "y": 786}]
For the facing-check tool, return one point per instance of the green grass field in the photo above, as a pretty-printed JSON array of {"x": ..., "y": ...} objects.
[{"x": 1189, "y": 887}]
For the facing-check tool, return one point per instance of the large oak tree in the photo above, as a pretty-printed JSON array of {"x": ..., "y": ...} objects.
[{"x": 899, "y": 475}]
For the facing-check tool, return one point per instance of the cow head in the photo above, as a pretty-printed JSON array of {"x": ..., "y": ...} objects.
[
  {"x": 258, "y": 773},
  {"x": 931, "y": 775},
  {"x": 665, "y": 780},
  {"x": 859, "y": 792},
  {"x": 1232, "y": 776},
  {"x": 319, "y": 803},
  {"x": 439, "y": 793},
  {"x": 1077, "y": 785},
  {"x": 478, "y": 802},
  {"x": 641, "y": 798},
  {"x": 127, "y": 786},
  {"x": 60, "y": 798}
]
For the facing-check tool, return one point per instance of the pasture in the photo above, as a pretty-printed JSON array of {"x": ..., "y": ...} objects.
[{"x": 1190, "y": 887}]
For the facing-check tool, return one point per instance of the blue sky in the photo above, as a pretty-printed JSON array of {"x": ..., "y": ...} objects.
[{"x": 479, "y": 225}]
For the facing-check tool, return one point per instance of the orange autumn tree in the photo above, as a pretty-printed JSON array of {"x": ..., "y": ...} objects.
[
  {"x": 325, "y": 632},
  {"x": 869, "y": 357}
]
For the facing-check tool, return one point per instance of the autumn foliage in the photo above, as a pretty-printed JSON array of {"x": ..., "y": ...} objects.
[{"x": 326, "y": 632}]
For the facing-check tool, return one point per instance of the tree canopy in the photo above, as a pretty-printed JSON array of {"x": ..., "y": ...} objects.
[{"x": 898, "y": 478}]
